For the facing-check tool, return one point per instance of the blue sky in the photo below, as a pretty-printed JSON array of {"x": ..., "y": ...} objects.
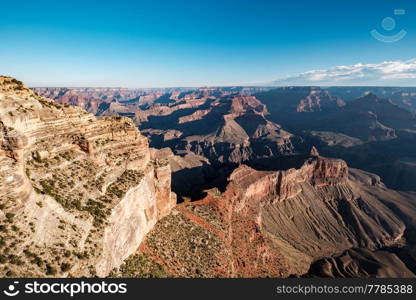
[{"x": 193, "y": 43}]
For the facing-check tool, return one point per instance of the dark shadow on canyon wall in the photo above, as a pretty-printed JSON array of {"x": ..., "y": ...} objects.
[{"x": 192, "y": 183}]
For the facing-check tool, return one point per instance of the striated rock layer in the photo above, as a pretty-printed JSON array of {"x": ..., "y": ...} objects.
[{"x": 77, "y": 193}]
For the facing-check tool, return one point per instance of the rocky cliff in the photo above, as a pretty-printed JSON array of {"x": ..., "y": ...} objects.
[{"x": 77, "y": 194}]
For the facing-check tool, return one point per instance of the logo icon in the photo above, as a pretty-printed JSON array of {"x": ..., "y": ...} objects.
[
  {"x": 11, "y": 290},
  {"x": 389, "y": 24}
]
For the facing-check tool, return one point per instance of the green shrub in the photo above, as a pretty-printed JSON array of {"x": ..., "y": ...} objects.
[
  {"x": 9, "y": 217},
  {"x": 50, "y": 270},
  {"x": 37, "y": 261},
  {"x": 3, "y": 259},
  {"x": 65, "y": 267}
]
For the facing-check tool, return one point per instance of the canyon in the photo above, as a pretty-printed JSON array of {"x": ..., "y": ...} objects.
[
  {"x": 205, "y": 182},
  {"x": 287, "y": 222}
]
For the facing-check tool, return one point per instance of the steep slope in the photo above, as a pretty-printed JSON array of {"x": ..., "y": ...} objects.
[
  {"x": 78, "y": 193},
  {"x": 278, "y": 223}
]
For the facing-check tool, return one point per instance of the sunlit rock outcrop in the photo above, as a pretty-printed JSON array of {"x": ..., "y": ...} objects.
[{"x": 77, "y": 194}]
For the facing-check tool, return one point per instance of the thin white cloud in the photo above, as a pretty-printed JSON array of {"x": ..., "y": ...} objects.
[{"x": 388, "y": 72}]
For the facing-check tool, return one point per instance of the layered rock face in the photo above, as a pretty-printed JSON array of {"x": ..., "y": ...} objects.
[
  {"x": 232, "y": 142},
  {"x": 318, "y": 100},
  {"x": 89, "y": 99},
  {"x": 308, "y": 212},
  {"x": 227, "y": 129},
  {"x": 105, "y": 101},
  {"x": 278, "y": 223},
  {"x": 359, "y": 263},
  {"x": 78, "y": 194}
]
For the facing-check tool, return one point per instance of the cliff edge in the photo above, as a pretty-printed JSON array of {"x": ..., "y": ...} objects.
[{"x": 78, "y": 193}]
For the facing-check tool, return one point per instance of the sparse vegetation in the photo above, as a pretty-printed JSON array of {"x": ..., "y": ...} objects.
[
  {"x": 195, "y": 249},
  {"x": 140, "y": 266},
  {"x": 161, "y": 162},
  {"x": 49, "y": 103}
]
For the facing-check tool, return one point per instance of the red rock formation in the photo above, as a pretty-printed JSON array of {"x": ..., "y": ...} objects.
[
  {"x": 241, "y": 104},
  {"x": 318, "y": 100}
]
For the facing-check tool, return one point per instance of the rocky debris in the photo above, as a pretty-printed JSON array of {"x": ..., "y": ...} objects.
[{"x": 78, "y": 193}]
